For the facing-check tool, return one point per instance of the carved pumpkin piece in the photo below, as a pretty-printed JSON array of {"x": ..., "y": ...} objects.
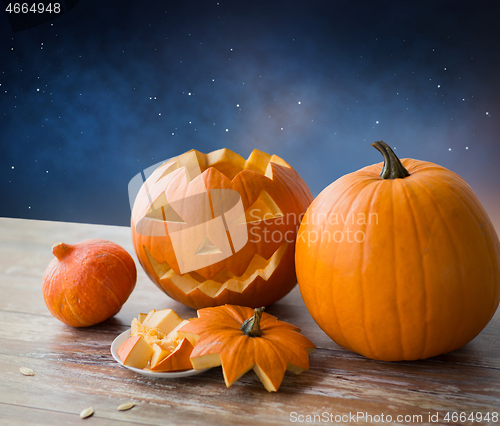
[
  {"x": 204, "y": 237},
  {"x": 239, "y": 340}
]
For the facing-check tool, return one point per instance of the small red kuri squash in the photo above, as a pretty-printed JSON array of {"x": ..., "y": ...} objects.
[{"x": 87, "y": 283}]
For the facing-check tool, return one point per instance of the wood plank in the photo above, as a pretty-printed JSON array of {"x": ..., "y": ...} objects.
[
  {"x": 204, "y": 399},
  {"x": 21, "y": 415}
]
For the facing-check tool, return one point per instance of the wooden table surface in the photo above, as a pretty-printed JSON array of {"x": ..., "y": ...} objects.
[{"x": 74, "y": 368}]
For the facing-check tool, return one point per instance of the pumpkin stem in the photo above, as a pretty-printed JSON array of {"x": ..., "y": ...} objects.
[
  {"x": 251, "y": 326},
  {"x": 61, "y": 250},
  {"x": 393, "y": 168}
]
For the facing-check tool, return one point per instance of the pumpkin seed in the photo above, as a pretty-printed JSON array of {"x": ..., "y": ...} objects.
[
  {"x": 126, "y": 406},
  {"x": 87, "y": 413},
  {"x": 26, "y": 371}
]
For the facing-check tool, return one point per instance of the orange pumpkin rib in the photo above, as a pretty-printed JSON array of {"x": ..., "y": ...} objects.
[
  {"x": 377, "y": 186},
  {"x": 365, "y": 299},
  {"x": 363, "y": 190},
  {"x": 237, "y": 357},
  {"x": 298, "y": 195},
  {"x": 107, "y": 289},
  {"x": 458, "y": 261},
  {"x": 416, "y": 226},
  {"x": 482, "y": 220},
  {"x": 88, "y": 309},
  {"x": 292, "y": 346},
  {"x": 395, "y": 255},
  {"x": 472, "y": 205},
  {"x": 370, "y": 310},
  {"x": 401, "y": 277},
  {"x": 430, "y": 208},
  {"x": 314, "y": 249},
  {"x": 334, "y": 246},
  {"x": 270, "y": 361},
  {"x": 427, "y": 260},
  {"x": 465, "y": 259},
  {"x": 127, "y": 266},
  {"x": 66, "y": 290},
  {"x": 81, "y": 322}
]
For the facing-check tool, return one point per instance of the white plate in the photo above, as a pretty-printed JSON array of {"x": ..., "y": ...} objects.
[{"x": 153, "y": 374}]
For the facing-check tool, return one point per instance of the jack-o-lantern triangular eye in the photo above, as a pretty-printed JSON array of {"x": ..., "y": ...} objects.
[
  {"x": 162, "y": 210},
  {"x": 264, "y": 208}
]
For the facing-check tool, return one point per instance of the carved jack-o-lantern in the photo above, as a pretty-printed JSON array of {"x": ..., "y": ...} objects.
[{"x": 211, "y": 229}]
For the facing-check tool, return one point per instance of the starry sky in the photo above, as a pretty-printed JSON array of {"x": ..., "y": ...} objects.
[{"x": 93, "y": 97}]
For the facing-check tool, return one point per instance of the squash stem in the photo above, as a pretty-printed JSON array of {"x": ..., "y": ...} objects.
[
  {"x": 61, "y": 250},
  {"x": 392, "y": 168},
  {"x": 251, "y": 326}
]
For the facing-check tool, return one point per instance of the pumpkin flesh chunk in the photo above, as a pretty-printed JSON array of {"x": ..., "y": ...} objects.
[
  {"x": 135, "y": 352},
  {"x": 258, "y": 266},
  {"x": 176, "y": 360},
  {"x": 159, "y": 331},
  {"x": 164, "y": 321},
  {"x": 206, "y": 361}
]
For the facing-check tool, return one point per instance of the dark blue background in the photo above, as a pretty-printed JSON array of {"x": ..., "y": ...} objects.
[{"x": 90, "y": 99}]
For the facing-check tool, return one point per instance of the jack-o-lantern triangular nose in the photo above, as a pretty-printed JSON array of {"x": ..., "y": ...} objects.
[{"x": 207, "y": 247}]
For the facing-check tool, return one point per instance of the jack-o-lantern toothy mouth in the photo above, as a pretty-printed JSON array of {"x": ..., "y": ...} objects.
[{"x": 190, "y": 281}]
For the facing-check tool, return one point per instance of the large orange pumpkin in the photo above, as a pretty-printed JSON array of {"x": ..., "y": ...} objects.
[
  {"x": 401, "y": 266},
  {"x": 213, "y": 229}
]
